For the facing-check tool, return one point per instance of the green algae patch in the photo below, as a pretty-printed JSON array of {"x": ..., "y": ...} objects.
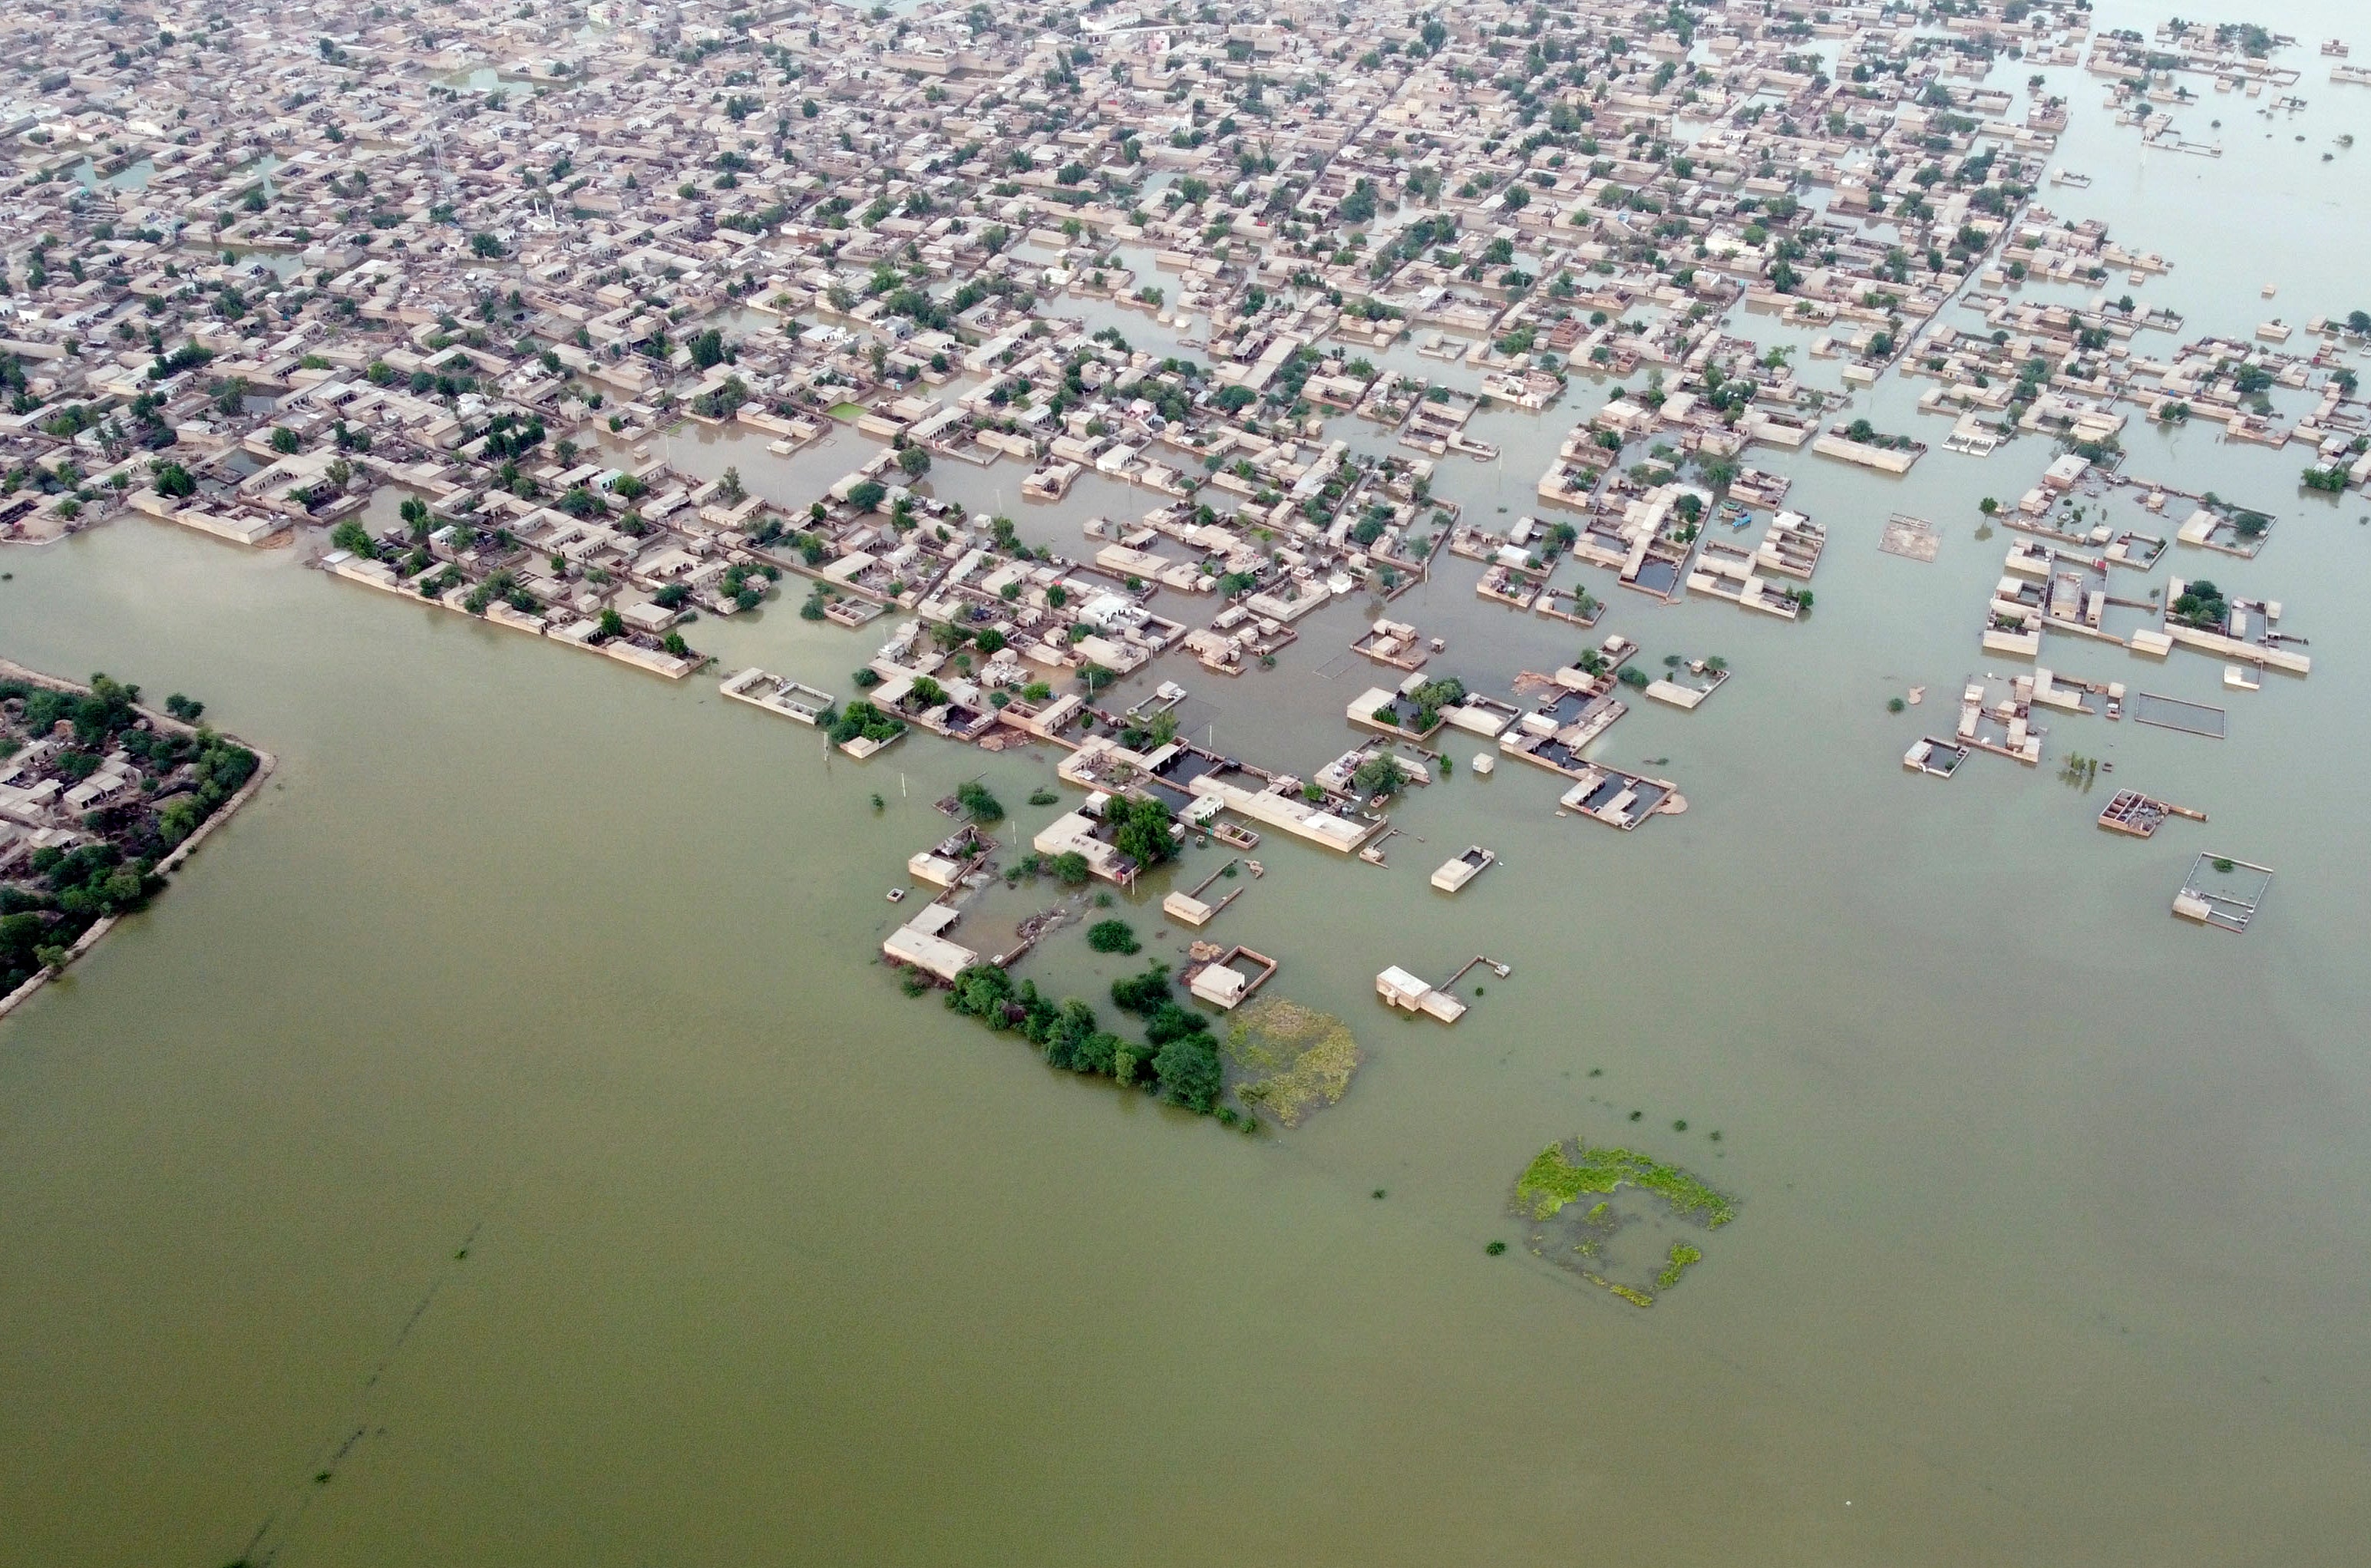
[
  {"x": 1588, "y": 1237},
  {"x": 1636, "y": 1298},
  {"x": 1291, "y": 1060},
  {"x": 1556, "y": 1178}
]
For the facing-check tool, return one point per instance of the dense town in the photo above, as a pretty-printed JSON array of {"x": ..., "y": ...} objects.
[{"x": 423, "y": 289}]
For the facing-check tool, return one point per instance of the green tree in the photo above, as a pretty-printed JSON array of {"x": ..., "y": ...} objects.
[
  {"x": 1141, "y": 830},
  {"x": 178, "y": 817},
  {"x": 1113, "y": 936},
  {"x": 1189, "y": 1072},
  {"x": 1381, "y": 774},
  {"x": 975, "y": 799}
]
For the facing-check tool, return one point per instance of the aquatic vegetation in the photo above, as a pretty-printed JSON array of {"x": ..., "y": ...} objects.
[
  {"x": 1556, "y": 1179},
  {"x": 1295, "y": 1059},
  {"x": 1496, "y": 1248},
  {"x": 1681, "y": 1256},
  {"x": 1636, "y": 1298}
]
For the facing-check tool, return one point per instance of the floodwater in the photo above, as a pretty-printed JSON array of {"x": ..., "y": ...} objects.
[{"x": 503, "y": 1118}]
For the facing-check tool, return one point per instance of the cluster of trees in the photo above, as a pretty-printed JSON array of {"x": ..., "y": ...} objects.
[
  {"x": 1142, "y": 830},
  {"x": 1381, "y": 774},
  {"x": 1113, "y": 936},
  {"x": 2202, "y": 604},
  {"x": 1177, "y": 1059},
  {"x": 42, "y": 917},
  {"x": 862, "y": 717},
  {"x": 978, "y": 800},
  {"x": 1868, "y": 435},
  {"x": 1432, "y": 696}
]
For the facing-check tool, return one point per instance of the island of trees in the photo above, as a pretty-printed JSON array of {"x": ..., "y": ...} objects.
[
  {"x": 101, "y": 797},
  {"x": 1177, "y": 1059}
]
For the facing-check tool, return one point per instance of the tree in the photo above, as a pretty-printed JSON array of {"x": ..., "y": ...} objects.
[
  {"x": 1189, "y": 1072},
  {"x": 486, "y": 246},
  {"x": 178, "y": 817},
  {"x": 352, "y": 537},
  {"x": 868, "y": 496},
  {"x": 612, "y": 624},
  {"x": 1142, "y": 993},
  {"x": 1140, "y": 830},
  {"x": 1381, "y": 774},
  {"x": 982, "y": 991},
  {"x": 976, "y": 798},
  {"x": 1070, "y": 868},
  {"x": 1113, "y": 936},
  {"x": 707, "y": 349},
  {"x": 915, "y": 462}
]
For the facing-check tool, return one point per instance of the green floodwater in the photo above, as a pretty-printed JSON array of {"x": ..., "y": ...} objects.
[{"x": 2048, "y": 1246}]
